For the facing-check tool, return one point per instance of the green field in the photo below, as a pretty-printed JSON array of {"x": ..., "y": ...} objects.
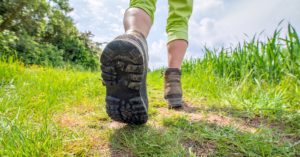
[{"x": 242, "y": 102}]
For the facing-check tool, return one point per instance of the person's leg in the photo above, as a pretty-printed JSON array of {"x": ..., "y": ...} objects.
[
  {"x": 124, "y": 65},
  {"x": 176, "y": 52},
  {"x": 138, "y": 20},
  {"x": 177, "y": 30},
  {"x": 139, "y": 17}
]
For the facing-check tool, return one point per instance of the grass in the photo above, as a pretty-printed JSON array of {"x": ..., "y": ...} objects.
[
  {"x": 29, "y": 98},
  {"x": 257, "y": 78},
  {"x": 248, "y": 110}
]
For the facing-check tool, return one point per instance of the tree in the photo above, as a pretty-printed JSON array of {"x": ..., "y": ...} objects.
[{"x": 42, "y": 27}]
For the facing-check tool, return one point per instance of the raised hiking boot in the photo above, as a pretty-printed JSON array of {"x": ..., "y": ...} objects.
[
  {"x": 173, "y": 90},
  {"x": 124, "y": 64}
]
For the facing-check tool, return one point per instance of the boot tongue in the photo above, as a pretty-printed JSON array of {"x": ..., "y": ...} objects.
[{"x": 173, "y": 71}]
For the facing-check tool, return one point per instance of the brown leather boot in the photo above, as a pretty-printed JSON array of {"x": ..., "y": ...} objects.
[
  {"x": 124, "y": 64},
  {"x": 173, "y": 90}
]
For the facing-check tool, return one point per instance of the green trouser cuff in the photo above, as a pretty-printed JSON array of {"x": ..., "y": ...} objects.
[
  {"x": 178, "y": 18},
  {"x": 148, "y": 6},
  {"x": 177, "y": 35}
]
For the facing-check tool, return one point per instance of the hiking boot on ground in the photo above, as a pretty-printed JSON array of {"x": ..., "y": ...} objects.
[
  {"x": 124, "y": 64},
  {"x": 173, "y": 90}
]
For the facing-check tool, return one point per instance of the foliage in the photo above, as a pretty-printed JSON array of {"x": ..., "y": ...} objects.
[
  {"x": 31, "y": 52},
  {"x": 269, "y": 61},
  {"x": 8, "y": 41},
  {"x": 30, "y": 98},
  {"x": 41, "y": 32},
  {"x": 57, "y": 112},
  {"x": 256, "y": 78}
]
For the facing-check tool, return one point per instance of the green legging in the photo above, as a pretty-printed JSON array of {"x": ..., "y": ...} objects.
[{"x": 179, "y": 14}]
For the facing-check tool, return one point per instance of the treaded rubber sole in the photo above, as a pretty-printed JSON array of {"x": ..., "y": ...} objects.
[
  {"x": 123, "y": 75},
  {"x": 175, "y": 102}
]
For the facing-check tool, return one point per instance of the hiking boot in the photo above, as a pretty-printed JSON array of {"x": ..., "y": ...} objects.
[
  {"x": 173, "y": 90},
  {"x": 124, "y": 64}
]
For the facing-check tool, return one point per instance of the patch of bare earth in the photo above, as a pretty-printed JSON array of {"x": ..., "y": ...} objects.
[
  {"x": 92, "y": 130},
  {"x": 258, "y": 121},
  {"x": 203, "y": 148},
  {"x": 212, "y": 117},
  {"x": 120, "y": 153},
  {"x": 115, "y": 125}
]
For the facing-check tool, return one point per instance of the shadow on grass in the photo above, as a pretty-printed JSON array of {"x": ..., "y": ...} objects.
[
  {"x": 170, "y": 133},
  {"x": 188, "y": 108},
  {"x": 285, "y": 122},
  {"x": 144, "y": 140},
  {"x": 179, "y": 136}
]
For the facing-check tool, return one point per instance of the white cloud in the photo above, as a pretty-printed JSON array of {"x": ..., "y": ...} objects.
[
  {"x": 243, "y": 17},
  {"x": 204, "y": 32},
  {"x": 158, "y": 54},
  {"x": 207, "y": 5},
  {"x": 94, "y": 4},
  {"x": 102, "y": 17}
]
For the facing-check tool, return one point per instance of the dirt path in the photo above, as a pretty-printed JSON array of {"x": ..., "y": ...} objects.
[
  {"x": 91, "y": 128},
  {"x": 89, "y": 132}
]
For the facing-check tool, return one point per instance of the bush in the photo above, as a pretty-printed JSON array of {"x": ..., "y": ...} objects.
[
  {"x": 31, "y": 52},
  {"x": 7, "y": 43},
  {"x": 73, "y": 52},
  {"x": 78, "y": 53}
]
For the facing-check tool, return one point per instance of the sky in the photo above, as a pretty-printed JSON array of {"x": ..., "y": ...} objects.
[{"x": 214, "y": 23}]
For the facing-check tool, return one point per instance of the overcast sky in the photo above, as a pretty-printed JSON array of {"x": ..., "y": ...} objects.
[{"x": 214, "y": 23}]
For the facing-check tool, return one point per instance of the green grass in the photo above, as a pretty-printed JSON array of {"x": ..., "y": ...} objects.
[
  {"x": 29, "y": 98},
  {"x": 242, "y": 102},
  {"x": 49, "y": 112},
  {"x": 255, "y": 78}
]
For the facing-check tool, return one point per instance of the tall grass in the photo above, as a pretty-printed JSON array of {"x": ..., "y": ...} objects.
[
  {"x": 29, "y": 99},
  {"x": 270, "y": 61},
  {"x": 254, "y": 78}
]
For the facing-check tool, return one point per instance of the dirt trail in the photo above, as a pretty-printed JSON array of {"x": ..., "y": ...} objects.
[
  {"x": 93, "y": 128},
  {"x": 194, "y": 114}
]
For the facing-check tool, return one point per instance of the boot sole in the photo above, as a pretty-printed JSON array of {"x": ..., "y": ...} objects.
[
  {"x": 175, "y": 102},
  {"x": 123, "y": 74}
]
